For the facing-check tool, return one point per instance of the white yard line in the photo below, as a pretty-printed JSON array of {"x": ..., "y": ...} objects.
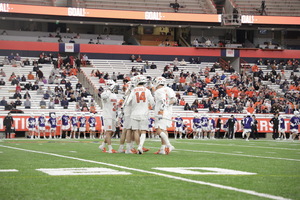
[
  {"x": 237, "y": 145},
  {"x": 158, "y": 174},
  {"x": 8, "y": 170},
  {"x": 234, "y": 154}
]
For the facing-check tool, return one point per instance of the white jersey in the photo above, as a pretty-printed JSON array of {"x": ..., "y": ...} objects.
[
  {"x": 127, "y": 108},
  {"x": 140, "y": 98},
  {"x": 109, "y": 104},
  {"x": 163, "y": 95}
]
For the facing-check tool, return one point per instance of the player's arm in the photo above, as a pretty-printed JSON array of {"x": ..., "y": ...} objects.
[
  {"x": 130, "y": 97},
  {"x": 150, "y": 98}
]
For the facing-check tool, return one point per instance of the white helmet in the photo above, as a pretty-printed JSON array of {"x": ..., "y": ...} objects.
[
  {"x": 296, "y": 112},
  {"x": 140, "y": 79},
  {"x": 110, "y": 84},
  {"x": 159, "y": 81}
]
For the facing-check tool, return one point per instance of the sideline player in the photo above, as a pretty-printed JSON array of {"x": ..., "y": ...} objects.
[
  {"x": 212, "y": 128},
  {"x": 282, "y": 128},
  {"x": 294, "y": 125},
  {"x": 53, "y": 124},
  {"x": 92, "y": 123},
  {"x": 151, "y": 128},
  {"x": 42, "y": 125},
  {"x": 178, "y": 127},
  {"x": 198, "y": 127},
  {"x": 247, "y": 121},
  {"x": 164, "y": 100},
  {"x": 109, "y": 103},
  {"x": 141, "y": 99},
  {"x": 82, "y": 126},
  {"x": 65, "y": 122},
  {"x": 74, "y": 123},
  {"x": 204, "y": 125},
  {"x": 31, "y": 123}
]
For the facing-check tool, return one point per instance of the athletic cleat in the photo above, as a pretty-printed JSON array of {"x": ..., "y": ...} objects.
[
  {"x": 112, "y": 151},
  {"x": 140, "y": 150},
  {"x": 169, "y": 149},
  {"x": 121, "y": 151},
  {"x": 131, "y": 151},
  {"x": 160, "y": 152},
  {"x": 145, "y": 149}
]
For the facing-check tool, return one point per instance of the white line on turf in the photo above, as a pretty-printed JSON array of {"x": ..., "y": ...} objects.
[
  {"x": 8, "y": 170},
  {"x": 269, "y": 196},
  {"x": 252, "y": 146},
  {"x": 233, "y": 154}
]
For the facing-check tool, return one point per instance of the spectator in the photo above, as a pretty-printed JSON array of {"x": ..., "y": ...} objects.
[
  {"x": 16, "y": 95},
  {"x": 195, "y": 42},
  {"x": 2, "y": 82},
  {"x": 46, "y": 95},
  {"x": 18, "y": 88},
  {"x": 175, "y": 62},
  {"x": 39, "y": 74},
  {"x": 182, "y": 62},
  {"x": 30, "y": 76},
  {"x": 64, "y": 103},
  {"x": 27, "y": 103},
  {"x": 8, "y": 122},
  {"x": 3, "y": 102},
  {"x": 51, "y": 103},
  {"x": 91, "y": 41},
  {"x": 187, "y": 107},
  {"x": 2, "y": 73},
  {"x": 17, "y": 57},
  {"x": 139, "y": 59},
  {"x": 43, "y": 104},
  {"x": 26, "y": 95},
  {"x": 40, "y": 91},
  {"x": 35, "y": 86},
  {"x": 71, "y": 40},
  {"x": 18, "y": 102}
]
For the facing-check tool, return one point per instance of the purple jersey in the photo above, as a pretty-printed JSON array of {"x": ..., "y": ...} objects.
[
  {"x": 74, "y": 121},
  {"x": 197, "y": 122},
  {"x": 212, "y": 123},
  {"x": 31, "y": 122},
  {"x": 65, "y": 120},
  {"x": 42, "y": 121},
  {"x": 52, "y": 122},
  {"x": 179, "y": 122},
  {"x": 247, "y": 122},
  {"x": 282, "y": 123},
  {"x": 294, "y": 122},
  {"x": 92, "y": 121},
  {"x": 82, "y": 121},
  {"x": 225, "y": 124},
  {"x": 151, "y": 121},
  {"x": 204, "y": 121}
]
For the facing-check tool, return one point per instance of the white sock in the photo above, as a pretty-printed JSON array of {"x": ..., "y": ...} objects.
[
  {"x": 102, "y": 145},
  {"x": 110, "y": 147},
  {"x": 142, "y": 140},
  {"x": 121, "y": 146},
  {"x": 132, "y": 145},
  {"x": 165, "y": 138},
  {"x": 162, "y": 148},
  {"x": 128, "y": 146}
]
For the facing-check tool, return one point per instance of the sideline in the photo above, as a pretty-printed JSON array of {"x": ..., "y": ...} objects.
[{"x": 156, "y": 173}]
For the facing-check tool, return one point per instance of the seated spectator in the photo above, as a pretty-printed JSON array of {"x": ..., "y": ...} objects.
[
  {"x": 175, "y": 62},
  {"x": 23, "y": 78},
  {"x": 139, "y": 59},
  {"x": 11, "y": 57},
  {"x": 93, "y": 108},
  {"x": 51, "y": 103},
  {"x": 46, "y": 95},
  {"x": 39, "y": 39},
  {"x": 40, "y": 91},
  {"x": 18, "y": 88},
  {"x": 43, "y": 104},
  {"x": 16, "y": 95},
  {"x": 64, "y": 103},
  {"x": 14, "y": 81},
  {"x": 182, "y": 62},
  {"x": 3, "y": 102},
  {"x": 30, "y": 76},
  {"x": 187, "y": 107},
  {"x": 12, "y": 76},
  {"x": 71, "y": 40},
  {"x": 2, "y": 82},
  {"x": 208, "y": 43},
  {"x": 39, "y": 74},
  {"x": 18, "y": 102},
  {"x": 132, "y": 58},
  {"x": 17, "y": 57},
  {"x": 182, "y": 102},
  {"x": 2, "y": 73},
  {"x": 91, "y": 41}
]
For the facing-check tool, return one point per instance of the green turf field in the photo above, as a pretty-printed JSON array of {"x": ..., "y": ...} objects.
[{"x": 275, "y": 165}]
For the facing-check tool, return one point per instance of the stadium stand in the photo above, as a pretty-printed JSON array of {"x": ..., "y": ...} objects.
[
  {"x": 188, "y": 6},
  {"x": 273, "y": 7},
  {"x": 32, "y": 2}
]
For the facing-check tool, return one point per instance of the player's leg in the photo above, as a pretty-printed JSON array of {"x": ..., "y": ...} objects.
[
  {"x": 212, "y": 134},
  {"x": 248, "y": 132},
  {"x": 122, "y": 140}
]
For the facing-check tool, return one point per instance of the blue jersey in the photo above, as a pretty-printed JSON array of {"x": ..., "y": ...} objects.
[
  {"x": 31, "y": 122},
  {"x": 42, "y": 121},
  {"x": 197, "y": 122},
  {"x": 65, "y": 120},
  {"x": 281, "y": 123},
  {"x": 225, "y": 125},
  {"x": 151, "y": 121},
  {"x": 212, "y": 123},
  {"x": 204, "y": 121},
  {"x": 52, "y": 122},
  {"x": 247, "y": 122},
  {"x": 179, "y": 122},
  {"x": 74, "y": 121},
  {"x": 294, "y": 122},
  {"x": 92, "y": 121},
  {"x": 82, "y": 121}
]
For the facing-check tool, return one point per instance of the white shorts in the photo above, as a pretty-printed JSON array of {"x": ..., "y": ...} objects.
[
  {"x": 225, "y": 129},
  {"x": 179, "y": 129},
  {"x": 92, "y": 128},
  {"x": 161, "y": 123},
  {"x": 198, "y": 129},
  {"x": 31, "y": 129},
  {"x": 281, "y": 130},
  {"x": 140, "y": 124},
  {"x": 212, "y": 130},
  {"x": 109, "y": 125},
  {"x": 64, "y": 128},
  {"x": 151, "y": 129},
  {"x": 205, "y": 129},
  {"x": 82, "y": 129},
  {"x": 247, "y": 130},
  {"x": 294, "y": 131},
  {"x": 42, "y": 128},
  {"x": 74, "y": 128},
  {"x": 52, "y": 129},
  {"x": 127, "y": 122}
]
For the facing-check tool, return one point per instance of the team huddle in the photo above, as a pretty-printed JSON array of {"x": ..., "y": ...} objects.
[{"x": 138, "y": 101}]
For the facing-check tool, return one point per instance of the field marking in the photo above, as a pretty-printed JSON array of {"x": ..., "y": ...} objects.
[
  {"x": 9, "y": 170},
  {"x": 211, "y": 171},
  {"x": 81, "y": 171},
  {"x": 269, "y": 196},
  {"x": 234, "y": 154},
  {"x": 237, "y": 145}
]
